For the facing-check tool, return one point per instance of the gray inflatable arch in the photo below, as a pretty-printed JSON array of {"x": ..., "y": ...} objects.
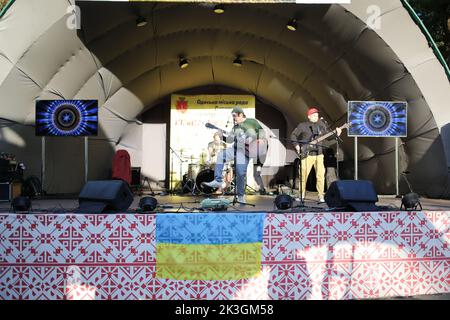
[{"x": 332, "y": 58}]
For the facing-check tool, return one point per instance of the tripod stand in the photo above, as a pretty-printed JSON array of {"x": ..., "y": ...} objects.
[
  {"x": 230, "y": 187},
  {"x": 338, "y": 139},
  {"x": 302, "y": 154},
  {"x": 146, "y": 180},
  {"x": 171, "y": 171}
]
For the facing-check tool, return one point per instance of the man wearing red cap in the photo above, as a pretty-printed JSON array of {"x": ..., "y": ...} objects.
[{"x": 311, "y": 155}]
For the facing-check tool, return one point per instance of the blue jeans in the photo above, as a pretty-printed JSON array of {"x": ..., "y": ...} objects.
[{"x": 227, "y": 155}]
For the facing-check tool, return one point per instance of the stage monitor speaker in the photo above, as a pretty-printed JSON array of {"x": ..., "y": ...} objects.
[
  {"x": 21, "y": 204},
  {"x": 352, "y": 195},
  {"x": 105, "y": 196},
  {"x": 283, "y": 202}
]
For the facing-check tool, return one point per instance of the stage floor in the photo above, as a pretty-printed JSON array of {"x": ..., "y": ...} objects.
[{"x": 189, "y": 203}]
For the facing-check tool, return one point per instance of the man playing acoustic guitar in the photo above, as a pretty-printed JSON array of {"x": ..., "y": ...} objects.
[{"x": 249, "y": 143}]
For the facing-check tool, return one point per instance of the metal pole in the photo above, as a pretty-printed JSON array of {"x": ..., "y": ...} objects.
[
  {"x": 42, "y": 164},
  {"x": 356, "y": 158},
  {"x": 337, "y": 157},
  {"x": 397, "y": 189},
  {"x": 86, "y": 156}
]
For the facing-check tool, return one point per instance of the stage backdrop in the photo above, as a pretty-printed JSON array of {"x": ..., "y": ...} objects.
[{"x": 189, "y": 137}]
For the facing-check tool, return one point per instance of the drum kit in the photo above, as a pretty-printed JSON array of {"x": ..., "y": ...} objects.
[{"x": 203, "y": 171}]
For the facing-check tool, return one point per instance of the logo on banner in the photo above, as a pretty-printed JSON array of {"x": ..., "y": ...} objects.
[{"x": 182, "y": 104}]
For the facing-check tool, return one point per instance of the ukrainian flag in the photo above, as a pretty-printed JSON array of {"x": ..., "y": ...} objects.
[{"x": 209, "y": 246}]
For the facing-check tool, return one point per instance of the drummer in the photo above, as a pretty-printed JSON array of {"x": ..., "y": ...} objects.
[{"x": 214, "y": 147}]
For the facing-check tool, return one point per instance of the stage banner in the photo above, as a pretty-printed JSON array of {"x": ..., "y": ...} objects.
[{"x": 189, "y": 137}]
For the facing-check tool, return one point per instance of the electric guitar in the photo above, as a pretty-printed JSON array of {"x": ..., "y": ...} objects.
[
  {"x": 311, "y": 145},
  {"x": 256, "y": 148}
]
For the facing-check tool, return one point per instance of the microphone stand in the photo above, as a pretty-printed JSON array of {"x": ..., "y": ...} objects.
[
  {"x": 181, "y": 169},
  {"x": 337, "y": 157},
  {"x": 299, "y": 156},
  {"x": 337, "y": 138}
]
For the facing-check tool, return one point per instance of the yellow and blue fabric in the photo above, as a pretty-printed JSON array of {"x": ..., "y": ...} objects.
[{"x": 210, "y": 246}]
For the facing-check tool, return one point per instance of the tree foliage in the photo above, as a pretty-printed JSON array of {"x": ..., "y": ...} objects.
[
  {"x": 435, "y": 14},
  {"x": 3, "y": 3}
]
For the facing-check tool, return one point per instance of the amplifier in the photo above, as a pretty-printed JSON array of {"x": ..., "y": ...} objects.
[
  {"x": 10, "y": 190},
  {"x": 135, "y": 176},
  {"x": 5, "y": 191}
]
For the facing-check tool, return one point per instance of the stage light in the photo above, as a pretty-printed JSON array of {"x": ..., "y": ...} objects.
[
  {"x": 148, "y": 204},
  {"x": 237, "y": 62},
  {"x": 21, "y": 204},
  {"x": 141, "y": 22},
  {"x": 292, "y": 25},
  {"x": 183, "y": 63},
  {"x": 411, "y": 201},
  {"x": 219, "y": 8},
  {"x": 283, "y": 202}
]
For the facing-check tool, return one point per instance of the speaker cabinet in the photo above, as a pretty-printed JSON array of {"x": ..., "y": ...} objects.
[
  {"x": 105, "y": 196},
  {"x": 352, "y": 195},
  {"x": 135, "y": 176},
  {"x": 10, "y": 190},
  {"x": 5, "y": 191}
]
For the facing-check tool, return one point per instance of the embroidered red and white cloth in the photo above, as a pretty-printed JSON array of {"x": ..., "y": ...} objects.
[{"x": 304, "y": 256}]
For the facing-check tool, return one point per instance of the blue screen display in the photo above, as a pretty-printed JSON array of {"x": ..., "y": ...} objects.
[
  {"x": 66, "y": 117},
  {"x": 377, "y": 119}
]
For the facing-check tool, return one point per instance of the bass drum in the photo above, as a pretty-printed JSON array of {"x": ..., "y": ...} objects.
[
  {"x": 193, "y": 170},
  {"x": 205, "y": 175}
]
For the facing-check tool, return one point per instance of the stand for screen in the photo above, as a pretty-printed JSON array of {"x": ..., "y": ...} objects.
[
  {"x": 42, "y": 164},
  {"x": 397, "y": 189},
  {"x": 86, "y": 156}
]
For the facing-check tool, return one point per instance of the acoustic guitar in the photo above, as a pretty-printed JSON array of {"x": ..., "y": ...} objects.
[{"x": 255, "y": 149}]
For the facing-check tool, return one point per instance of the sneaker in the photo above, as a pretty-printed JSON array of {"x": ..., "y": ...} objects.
[
  {"x": 241, "y": 199},
  {"x": 302, "y": 199},
  {"x": 262, "y": 192},
  {"x": 213, "y": 184},
  {"x": 321, "y": 199}
]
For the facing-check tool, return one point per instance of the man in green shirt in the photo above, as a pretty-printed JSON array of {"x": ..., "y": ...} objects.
[{"x": 249, "y": 141}]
